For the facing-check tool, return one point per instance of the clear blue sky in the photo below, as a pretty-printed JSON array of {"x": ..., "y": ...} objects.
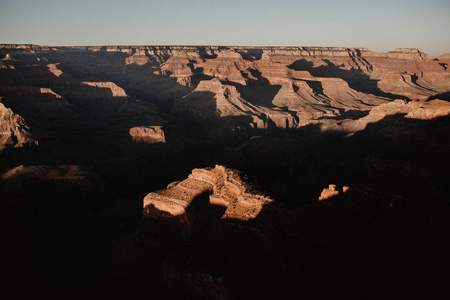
[{"x": 380, "y": 25}]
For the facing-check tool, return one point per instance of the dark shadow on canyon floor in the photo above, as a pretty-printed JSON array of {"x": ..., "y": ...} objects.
[
  {"x": 443, "y": 96},
  {"x": 385, "y": 239}
]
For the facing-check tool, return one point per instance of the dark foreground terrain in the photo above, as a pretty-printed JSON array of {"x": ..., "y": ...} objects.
[{"x": 224, "y": 172}]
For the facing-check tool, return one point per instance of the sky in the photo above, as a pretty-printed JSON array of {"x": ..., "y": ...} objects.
[{"x": 380, "y": 25}]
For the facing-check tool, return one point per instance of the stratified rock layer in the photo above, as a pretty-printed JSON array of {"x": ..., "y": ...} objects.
[
  {"x": 147, "y": 134},
  {"x": 418, "y": 110},
  {"x": 13, "y": 130},
  {"x": 230, "y": 87},
  {"x": 176, "y": 207}
]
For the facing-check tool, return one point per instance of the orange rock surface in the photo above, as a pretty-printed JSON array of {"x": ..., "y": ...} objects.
[{"x": 177, "y": 206}]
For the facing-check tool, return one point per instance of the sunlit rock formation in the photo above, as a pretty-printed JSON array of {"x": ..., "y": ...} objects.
[
  {"x": 328, "y": 192},
  {"x": 258, "y": 87},
  {"x": 174, "y": 209},
  {"x": 13, "y": 129},
  {"x": 418, "y": 110},
  {"x": 148, "y": 134}
]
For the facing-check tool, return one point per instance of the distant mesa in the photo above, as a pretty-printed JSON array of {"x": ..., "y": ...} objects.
[{"x": 147, "y": 134}]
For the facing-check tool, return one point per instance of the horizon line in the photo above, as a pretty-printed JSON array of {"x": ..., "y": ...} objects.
[{"x": 205, "y": 45}]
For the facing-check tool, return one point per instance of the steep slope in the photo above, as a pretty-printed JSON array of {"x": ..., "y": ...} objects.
[
  {"x": 291, "y": 86},
  {"x": 13, "y": 130},
  {"x": 176, "y": 207}
]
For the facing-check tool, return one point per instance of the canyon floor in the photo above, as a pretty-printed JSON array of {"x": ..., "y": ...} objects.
[{"x": 170, "y": 172}]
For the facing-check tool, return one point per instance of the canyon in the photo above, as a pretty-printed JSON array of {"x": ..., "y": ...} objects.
[{"x": 213, "y": 172}]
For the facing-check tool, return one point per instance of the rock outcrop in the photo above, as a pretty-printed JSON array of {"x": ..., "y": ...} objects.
[
  {"x": 13, "y": 130},
  {"x": 416, "y": 110},
  {"x": 205, "y": 190},
  {"x": 147, "y": 134},
  {"x": 69, "y": 173},
  {"x": 328, "y": 192}
]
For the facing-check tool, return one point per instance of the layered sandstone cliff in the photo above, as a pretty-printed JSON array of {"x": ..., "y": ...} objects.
[
  {"x": 175, "y": 209},
  {"x": 13, "y": 130},
  {"x": 262, "y": 86},
  {"x": 147, "y": 134},
  {"x": 416, "y": 110}
]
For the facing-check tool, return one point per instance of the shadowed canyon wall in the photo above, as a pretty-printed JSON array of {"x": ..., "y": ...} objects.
[{"x": 224, "y": 172}]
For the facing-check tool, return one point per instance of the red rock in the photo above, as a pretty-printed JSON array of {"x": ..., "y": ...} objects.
[
  {"x": 109, "y": 87},
  {"x": 328, "y": 192},
  {"x": 242, "y": 87},
  {"x": 147, "y": 134},
  {"x": 176, "y": 207},
  {"x": 13, "y": 130}
]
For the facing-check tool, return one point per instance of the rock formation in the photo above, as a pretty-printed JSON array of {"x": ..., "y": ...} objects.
[
  {"x": 13, "y": 129},
  {"x": 148, "y": 134},
  {"x": 176, "y": 207},
  {"x": 260, "y": 87},
  {"x": 329, "y": 192},
  {"x": 418, "y": 110}
]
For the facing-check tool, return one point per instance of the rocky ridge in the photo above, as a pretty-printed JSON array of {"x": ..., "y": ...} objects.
[
  {"x": 218, "y": 187},
  {"x": 13, "y": 129},
  {"x": 254, "y": 87}
]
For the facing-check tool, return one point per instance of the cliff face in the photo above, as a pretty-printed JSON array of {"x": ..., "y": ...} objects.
[
  {"x": 220, "y": 189},
  {"x": 13, "y": 129},
  {"x": 263, "y": 87}
]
